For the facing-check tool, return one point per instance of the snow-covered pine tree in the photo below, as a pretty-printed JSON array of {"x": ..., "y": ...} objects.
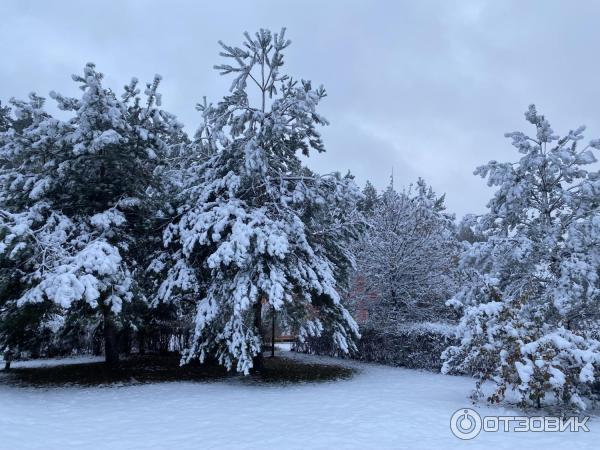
[
  {"x": 23, "y": 154},
  {"x": 5, "y": 120},
  {"x": 407, "y": 257},
  {"x": 74, "y": 198},
  {"x": 531, "y": 298},
  {"x": 369, "y": 200},
  {"x": 257, "y": 228}
]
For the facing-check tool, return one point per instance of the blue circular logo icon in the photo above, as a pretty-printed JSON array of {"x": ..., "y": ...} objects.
[{"x": 465, "y": 423}]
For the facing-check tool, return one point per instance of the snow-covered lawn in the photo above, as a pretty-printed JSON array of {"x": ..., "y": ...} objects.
[{"x": 381, "y": 407}]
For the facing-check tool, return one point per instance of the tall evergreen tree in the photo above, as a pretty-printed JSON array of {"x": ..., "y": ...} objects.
[
  {"x": 257, "y": 228},
  {"x": 74, "y": 203},
  {"x": 531, "y": 300}
]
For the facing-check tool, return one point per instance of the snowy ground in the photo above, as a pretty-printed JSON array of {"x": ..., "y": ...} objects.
[{"x": 380, "y": 408}]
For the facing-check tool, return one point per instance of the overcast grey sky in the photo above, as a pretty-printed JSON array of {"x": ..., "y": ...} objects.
[{"x": 428, "y": 87}]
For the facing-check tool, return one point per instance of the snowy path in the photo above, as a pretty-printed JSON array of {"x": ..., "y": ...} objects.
[{"x": 380, "y": 408}]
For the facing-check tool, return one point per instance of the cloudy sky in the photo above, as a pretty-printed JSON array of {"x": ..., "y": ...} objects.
[{"x": 425, "y": 87}]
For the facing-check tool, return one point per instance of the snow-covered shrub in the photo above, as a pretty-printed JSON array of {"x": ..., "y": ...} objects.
[{"x": 416, "y": 346}]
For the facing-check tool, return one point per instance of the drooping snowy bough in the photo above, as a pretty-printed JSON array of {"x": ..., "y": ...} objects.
[{"x": 256, "y": 228}]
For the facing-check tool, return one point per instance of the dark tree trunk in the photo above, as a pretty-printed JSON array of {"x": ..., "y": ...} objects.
[
  {"x": 142, "y": 342},
  {"x": 111, "y": 342},
  {"x": 98, "y": 339},
  {"x": 257, "y": 361},
  {"x": 273, "y": 334},
  {"x": 125, "y": 340},
  {"x": 163, "y": 341},
  {"x": 8, "y": 357}
]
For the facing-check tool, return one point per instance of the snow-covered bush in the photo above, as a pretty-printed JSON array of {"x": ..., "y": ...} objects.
[
  {"x": 530, "y": 297},
  {"x": 416, "y": 345}
]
